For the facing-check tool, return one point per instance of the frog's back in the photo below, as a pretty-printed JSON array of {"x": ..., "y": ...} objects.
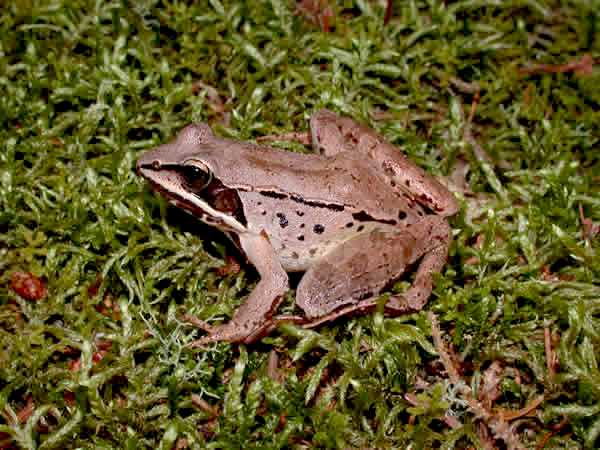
[
  {"x": 344, "y": 179},
  {"x": 348, "y": 181}
]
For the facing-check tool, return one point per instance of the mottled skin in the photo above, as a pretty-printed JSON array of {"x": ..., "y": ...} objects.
[{"x": 352, "y": 217}]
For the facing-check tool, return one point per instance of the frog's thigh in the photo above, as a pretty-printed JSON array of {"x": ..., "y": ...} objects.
[
  {"x": 361, "y": 267},
  {"x": 332, "y": 134}
]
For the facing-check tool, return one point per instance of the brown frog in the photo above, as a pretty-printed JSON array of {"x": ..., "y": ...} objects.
[{"x": 353, "y": 218}]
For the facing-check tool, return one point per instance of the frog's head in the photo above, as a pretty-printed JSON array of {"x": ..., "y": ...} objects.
[
  {"x": 194, "y": 142},
  {"x": 184, "y": 172}
]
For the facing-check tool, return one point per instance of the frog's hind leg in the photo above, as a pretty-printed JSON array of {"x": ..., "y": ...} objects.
[
  {"x": 332, "y": 134},
  {"x": 347, "y": 280}
]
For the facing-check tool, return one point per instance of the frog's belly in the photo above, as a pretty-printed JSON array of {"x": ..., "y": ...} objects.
[
  {"x": 302, "y": 232},
  {"x": 299, "y": 258}
]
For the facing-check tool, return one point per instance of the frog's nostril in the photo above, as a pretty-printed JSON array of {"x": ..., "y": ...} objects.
[{"x": 156, "y": 164}]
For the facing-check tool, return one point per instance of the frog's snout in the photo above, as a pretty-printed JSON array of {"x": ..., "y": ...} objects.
[
  {"x": 154, "y": 165},
  {"x": 149, "y": 160}
]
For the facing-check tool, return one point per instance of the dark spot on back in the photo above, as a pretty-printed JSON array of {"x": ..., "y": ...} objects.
[
  {"x": 360, "y": 228},
  {"x": 302, "y": 225},
  {"x": 331, "y": 206},
  {"x": 402, "y": 215},
  {"x": 273, "y": 194},
  {"x": 312, "y": 251},
  {"x": 349, "y": 224},
  {"x": 387, "y": 169},
  {"x": 318, "y": 228},
  {"x": 283, "y": 222},
  {"x": 301, "y": 237},
  {"x": 295, "y": 255},
  {"x": 363, "y": 216},
  {"x": 300, "y": 213},
  {"x": 426, "y": 198}
]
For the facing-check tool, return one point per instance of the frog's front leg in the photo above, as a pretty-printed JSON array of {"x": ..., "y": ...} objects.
[
  {"x": 349, "y": 279},
  {"x": 332, "y": 134},
  {"x": 253, "y": 318}
]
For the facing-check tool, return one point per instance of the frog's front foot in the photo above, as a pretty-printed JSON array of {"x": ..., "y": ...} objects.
[
  {"x": 253, "y": 319},
  {"x": 234, "y": 333},
  {"x": 230, "y": 332}
]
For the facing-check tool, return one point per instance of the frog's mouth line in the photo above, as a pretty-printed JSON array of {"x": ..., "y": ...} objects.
[{"x": 169, "y": 183}]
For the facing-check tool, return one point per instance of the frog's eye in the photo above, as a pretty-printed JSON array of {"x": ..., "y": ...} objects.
[{"x": 196, "y": 175}]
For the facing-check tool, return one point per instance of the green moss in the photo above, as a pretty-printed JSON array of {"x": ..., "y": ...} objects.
[{"x": 86, "y": 86}]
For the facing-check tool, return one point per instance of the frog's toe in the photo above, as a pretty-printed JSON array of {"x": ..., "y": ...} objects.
[
  {"x": 234, "y": 333},
  {"x": 227, "y": 332},
  {"x": 200, "y": 342}
]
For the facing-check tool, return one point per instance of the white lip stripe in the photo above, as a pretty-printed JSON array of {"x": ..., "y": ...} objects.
[{"x": 168, "y": 188}]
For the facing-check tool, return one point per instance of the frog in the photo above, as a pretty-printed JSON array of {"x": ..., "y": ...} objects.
[{"x": 354, "y": 216}]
